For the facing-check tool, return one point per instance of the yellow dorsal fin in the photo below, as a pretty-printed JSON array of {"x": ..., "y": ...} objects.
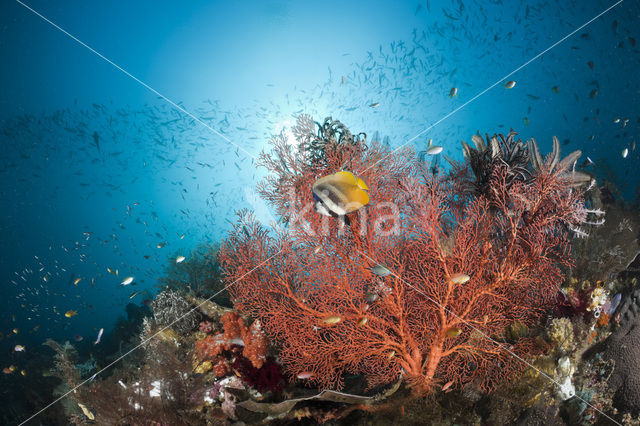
[
  {"x": 361, "y": 184},
  {"x": 345, "y": 177},
  {"x": 358, "y": 198}
]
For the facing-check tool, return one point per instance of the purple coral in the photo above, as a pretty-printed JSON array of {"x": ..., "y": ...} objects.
[{"x": 266, "y": 378}]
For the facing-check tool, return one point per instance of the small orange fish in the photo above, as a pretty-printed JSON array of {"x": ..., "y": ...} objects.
[
  {"x": 362, "y": 321},
  {"x": 305, "y": 375},
  {"x": 447, "y": 386},
  {"x": 332, "y": 319},
  {"x": 459, "y": 278},
  {"x": 70, "y": 313},
  {"x": 452, "y": 332},
  {"x": 76, "y": 281}
]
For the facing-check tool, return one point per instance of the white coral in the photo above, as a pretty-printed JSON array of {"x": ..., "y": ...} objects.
[{"x": 564, "y": 373}]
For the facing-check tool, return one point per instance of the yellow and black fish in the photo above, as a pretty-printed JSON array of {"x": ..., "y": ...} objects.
[{"x": 340, "y": 194}]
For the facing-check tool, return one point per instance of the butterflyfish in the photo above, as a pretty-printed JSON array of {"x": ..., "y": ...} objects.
[{"x": 340, "y": 194}]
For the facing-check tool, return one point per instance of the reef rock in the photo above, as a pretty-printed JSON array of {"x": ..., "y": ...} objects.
[{"x": 623, "y": 347}]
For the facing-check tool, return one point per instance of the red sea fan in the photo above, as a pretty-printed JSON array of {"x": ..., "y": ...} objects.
[{"x": 312, "y": 286}]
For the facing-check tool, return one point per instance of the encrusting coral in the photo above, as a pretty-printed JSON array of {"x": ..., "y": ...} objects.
[
  {"x": 461, "y": 266},
  {"x": 561, "y": 334},
  {"x": 623, "y": 347}
]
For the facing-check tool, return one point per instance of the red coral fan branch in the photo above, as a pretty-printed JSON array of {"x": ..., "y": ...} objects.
[{"x": 312, "y": 287}]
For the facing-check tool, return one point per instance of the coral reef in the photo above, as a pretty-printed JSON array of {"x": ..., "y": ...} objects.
[
  {"x": 171, "y": 309},
  {"x": 623, "y": 348},
  {"x": 197, "y": 376},
  {"x": 157, "y": 392},
  {"x": 315, "y": 290},
  {"x": 441, "y": 283}
]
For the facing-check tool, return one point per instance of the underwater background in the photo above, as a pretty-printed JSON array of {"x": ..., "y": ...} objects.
[{"x": 131, "y": 139}]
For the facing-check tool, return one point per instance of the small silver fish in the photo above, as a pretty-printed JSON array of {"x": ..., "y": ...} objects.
[
  {"x": 453, "y": 92},
  {"x": 434, "y": 150},
  {"x": 510, "y": 84},
  {"x": 459, "y": 278},
  {"x": 381, "y": 271},
  {"x": 625, "y": 152},
  {"x": 305, "y": 375},
  {"x": 371, "y": 297}
]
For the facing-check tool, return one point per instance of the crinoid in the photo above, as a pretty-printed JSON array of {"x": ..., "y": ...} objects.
[
  {"x": 567, "y": 164},
  {"x": 565, "y": 168},
  {"x": 497, "y": 150},
  {"x": 330, "y": 133}
]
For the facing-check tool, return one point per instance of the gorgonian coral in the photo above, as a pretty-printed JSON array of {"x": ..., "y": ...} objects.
[
  {"x": 424, "y": 283},
  {"x": 295, "y": 165}
]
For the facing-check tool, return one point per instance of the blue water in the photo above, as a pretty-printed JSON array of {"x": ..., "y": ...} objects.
[{"x": 245, "y": 70}]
